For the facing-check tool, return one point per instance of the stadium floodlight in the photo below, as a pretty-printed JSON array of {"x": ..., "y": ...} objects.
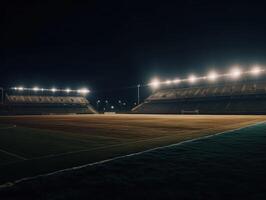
[
  {"x": 212, "y": 76},
  {"x": 168, "y": 82},
  {"x": 155, "y": 83},
  {"x": 35, "y": 89},
  {"x": 20, "y": 88},
  {"x": 83, "y": 91},
  {"x": 192, "y": 79},
  {"x": 68, "y": 90},
  {"x": 256, "y": 70},
  {"x": 235, "y": 73},
  {"x": 53, "y": 89},
  {"x": 176, "y": 81}
]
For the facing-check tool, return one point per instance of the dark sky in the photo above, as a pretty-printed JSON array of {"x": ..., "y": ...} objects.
[{"x": 107, "y": 45}]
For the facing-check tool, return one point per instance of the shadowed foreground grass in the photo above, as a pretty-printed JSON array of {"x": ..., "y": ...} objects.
[{"x": 228, "y": 166}]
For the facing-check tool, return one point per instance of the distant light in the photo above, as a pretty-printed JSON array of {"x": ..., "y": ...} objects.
[
  {"x": 53, "y": 89},
  {"x": 112, "y": 107},
  {"x": 83, "y": 91},
  {"x": 168, "y": 82},
  {"x": 256, "y": 70},
  {"x": 235, "y": 73},
  {"x": 20, "y": 88},
  {"x": 35, "y": 89},
  {"x": 68, "y": 90},
  {"x": 192, "y": 79},
  {"x": 42, "y": 89},
  {"x": 155, "y": 83},
  {"x": 176, "y": 80},
  {"x": 212, "y": 76}
]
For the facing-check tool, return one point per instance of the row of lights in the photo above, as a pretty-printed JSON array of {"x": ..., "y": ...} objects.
[
  {"x": 119, "y": 102},
  {"x": 37, "y": 89},
  {"x": 234, "y": 73}
]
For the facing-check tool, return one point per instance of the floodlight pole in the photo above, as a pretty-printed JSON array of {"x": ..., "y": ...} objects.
[
  {"x": 138, "y": 93},
  {"x": 98, "y": 101}
]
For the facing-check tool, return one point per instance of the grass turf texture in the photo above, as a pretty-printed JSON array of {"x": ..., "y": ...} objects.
[
  {"x": 43, "y": 144},
  {"x": 227, "y": 166}
]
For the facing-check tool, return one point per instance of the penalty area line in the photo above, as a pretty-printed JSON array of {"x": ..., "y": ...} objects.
[{"x": 10, "y": 184}]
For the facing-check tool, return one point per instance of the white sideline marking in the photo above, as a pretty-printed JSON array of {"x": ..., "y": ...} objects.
[
  {"x": 10, "y": 184},
  {"x": 13, "y": 155},
  {"x": 100, "y": 148},
  {"x": 109, "y": 146}
]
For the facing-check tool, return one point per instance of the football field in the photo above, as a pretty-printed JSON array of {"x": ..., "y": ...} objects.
[{"x": 35, "y": 145}]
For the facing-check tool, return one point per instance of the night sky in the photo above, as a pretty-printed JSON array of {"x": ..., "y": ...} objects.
[{"x": 107, "y": 45}]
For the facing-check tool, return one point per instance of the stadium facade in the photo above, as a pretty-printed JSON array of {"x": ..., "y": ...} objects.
[
  {"x": 234, "y": 98},
  {"x": 34, "y": 104}
]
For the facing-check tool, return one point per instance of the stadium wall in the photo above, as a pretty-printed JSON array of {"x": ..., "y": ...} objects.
[{"x": 245, "y": 98}]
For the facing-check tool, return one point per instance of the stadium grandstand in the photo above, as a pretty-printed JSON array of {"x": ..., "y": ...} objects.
[
  {"x": 234, "y": 98},
  {"x": 23, "y": 104}
]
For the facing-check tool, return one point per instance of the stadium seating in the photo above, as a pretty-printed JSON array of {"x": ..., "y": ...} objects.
[
  {"x": 33, "y": 104},
  {"x": 245, "y": 98}
]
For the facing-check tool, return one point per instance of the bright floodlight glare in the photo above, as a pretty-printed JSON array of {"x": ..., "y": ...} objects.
[
  {"x": 192, "y": 79},
  {"x": 20, "y": 88},
  {"x": 168, "y": 82},
  {"x": 235, "y": 72},
  {"x": 176, "y": 80},
  {"x": 155, "y": 83},
  {"x": 68, "y": 90},
  {"x": 35, "y": 89},
  {"x": 212, "y": 76},
  {"x": 255, "y": 70},
  {"x": 53, "y": 89},
  {"x": 83, "y": 91}
]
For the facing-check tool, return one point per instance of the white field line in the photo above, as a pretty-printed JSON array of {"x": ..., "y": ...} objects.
[
  {"x": 110, "y": 146},
  {"x": 10, "y": 184},
  {"x": 9, "y": 127},
  {"x": 100, "y": 148},
  {"x": 9, "y": 153},
  {"x": 13, "y": 154}
]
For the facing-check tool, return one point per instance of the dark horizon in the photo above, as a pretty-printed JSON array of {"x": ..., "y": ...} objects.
[{"x": 110, "y": 46}]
